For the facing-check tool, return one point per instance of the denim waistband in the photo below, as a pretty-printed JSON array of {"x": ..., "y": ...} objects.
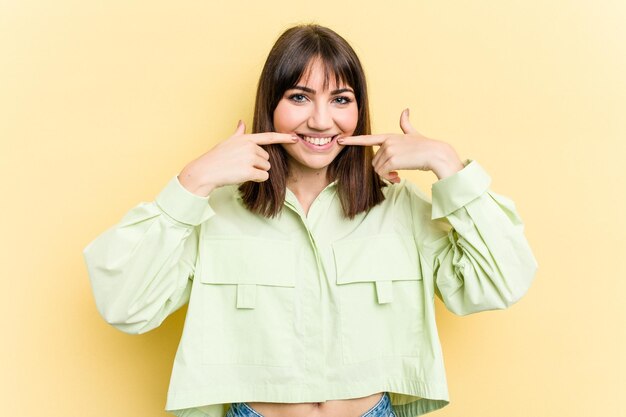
[{"x": 381, "y": 409}]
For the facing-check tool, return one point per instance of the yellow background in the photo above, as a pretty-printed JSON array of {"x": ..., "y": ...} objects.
[{"x": 101, "y": 103}]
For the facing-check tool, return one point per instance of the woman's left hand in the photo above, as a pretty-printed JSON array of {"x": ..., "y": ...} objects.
[{"x": 411, "y": 150}]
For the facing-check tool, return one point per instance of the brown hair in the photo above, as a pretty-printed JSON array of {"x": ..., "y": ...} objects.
[{"x": 358, "y": 185}]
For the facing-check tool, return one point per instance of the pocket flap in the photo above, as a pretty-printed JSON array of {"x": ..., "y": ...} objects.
[
  {"x": 377, "y": 258},
  {"x": 248, "y": 261}
]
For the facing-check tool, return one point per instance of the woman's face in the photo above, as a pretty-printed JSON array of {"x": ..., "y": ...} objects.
[{"x": 318, "y": 116}]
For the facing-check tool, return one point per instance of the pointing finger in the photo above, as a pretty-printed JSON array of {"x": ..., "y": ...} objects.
[
  {"x": 364, "y": 140},
  {"x": 405, "y": 125},
  {"x": 269, "y": 138}
]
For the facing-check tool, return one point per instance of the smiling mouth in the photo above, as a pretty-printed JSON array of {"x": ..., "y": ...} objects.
[{"x": 317, "y": 141}]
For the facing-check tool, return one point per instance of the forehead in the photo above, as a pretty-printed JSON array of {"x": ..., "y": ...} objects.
[{"x": 320, "y": 75}]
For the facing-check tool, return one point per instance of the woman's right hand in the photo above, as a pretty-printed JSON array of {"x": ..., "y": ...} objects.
[{"x": 238, "y": 159}]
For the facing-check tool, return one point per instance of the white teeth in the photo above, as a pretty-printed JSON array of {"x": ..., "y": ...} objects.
[{"x": 317, "y": 141}]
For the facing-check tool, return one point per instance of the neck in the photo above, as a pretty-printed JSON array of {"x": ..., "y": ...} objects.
[{"x": 306, "y": 183}]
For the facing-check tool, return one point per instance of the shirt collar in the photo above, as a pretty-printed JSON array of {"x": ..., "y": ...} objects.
[
  {"x": 291, "y": 197},
  {"x": 323, "y": 195}
]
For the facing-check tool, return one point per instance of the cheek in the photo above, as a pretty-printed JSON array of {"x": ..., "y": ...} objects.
[
  {"x": 348, "y": 119},
  {"x": 286, "y": 117}
]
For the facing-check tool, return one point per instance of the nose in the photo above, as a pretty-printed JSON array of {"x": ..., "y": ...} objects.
[{"x": 320, "y": 118}]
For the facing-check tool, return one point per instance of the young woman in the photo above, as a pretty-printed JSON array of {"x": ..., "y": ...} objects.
[{"x": 309, "y": 266}]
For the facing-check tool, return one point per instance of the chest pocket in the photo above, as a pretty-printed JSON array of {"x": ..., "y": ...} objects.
[
  {"x": 381, "y": 296},
  {"x": 248, "y": 301}
]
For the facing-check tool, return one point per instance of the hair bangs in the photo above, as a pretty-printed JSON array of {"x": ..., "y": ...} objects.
[
  {"x": 296, "y": 65},
  {"x": 334, "y": 70}
]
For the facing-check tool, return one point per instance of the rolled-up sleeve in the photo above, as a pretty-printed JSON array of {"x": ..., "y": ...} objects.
[
  {"x": 141, "y": 268},
  {"x": 474, "y": 243}
]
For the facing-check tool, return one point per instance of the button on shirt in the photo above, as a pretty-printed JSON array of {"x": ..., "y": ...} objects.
[{"x": 316, "y": 307}]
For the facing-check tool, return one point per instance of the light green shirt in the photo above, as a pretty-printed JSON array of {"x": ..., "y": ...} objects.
[{"x": 309, "y": 308}]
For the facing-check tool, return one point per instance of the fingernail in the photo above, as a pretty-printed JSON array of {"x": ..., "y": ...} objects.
[
  {"x": 295, "y": 137},
  {"x": 339, "y": 140},
  {"x": 407, "y": 112}
]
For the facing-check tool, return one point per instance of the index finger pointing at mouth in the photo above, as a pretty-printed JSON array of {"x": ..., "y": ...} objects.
[
  {"x": 269, "y": 138},
  {"x": 365, "y": 140}
]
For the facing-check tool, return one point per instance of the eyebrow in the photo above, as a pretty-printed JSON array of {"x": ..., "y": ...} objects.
[{"x": 310, "y": 90}]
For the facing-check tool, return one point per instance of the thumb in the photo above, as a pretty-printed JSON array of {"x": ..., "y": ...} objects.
[
  {"x": 241, "y": 128},
  {"x": 405, "y": 125}
]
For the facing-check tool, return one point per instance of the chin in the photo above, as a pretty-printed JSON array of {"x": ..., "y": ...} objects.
[
  {"x": 310, "y": 161},
  {"x": 316, "y": 164}
]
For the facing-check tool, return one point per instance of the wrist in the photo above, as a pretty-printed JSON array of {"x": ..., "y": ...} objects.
[
  {"x": 190, "y": 183},
  {"x": 447, "y": 164}
]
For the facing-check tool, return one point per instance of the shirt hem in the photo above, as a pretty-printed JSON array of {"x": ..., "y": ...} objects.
[{"x": 410, "y": 398}]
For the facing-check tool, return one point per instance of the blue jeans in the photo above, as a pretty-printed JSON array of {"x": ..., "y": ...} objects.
[{"x": 381, "y": 409}]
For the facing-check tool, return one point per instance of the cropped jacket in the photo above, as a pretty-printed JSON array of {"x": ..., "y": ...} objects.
[{"x": 315, "y": 307}]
